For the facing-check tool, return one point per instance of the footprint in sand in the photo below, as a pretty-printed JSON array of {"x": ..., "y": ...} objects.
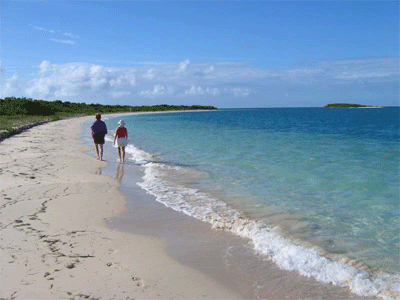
[{"x": 139, "y": 282}]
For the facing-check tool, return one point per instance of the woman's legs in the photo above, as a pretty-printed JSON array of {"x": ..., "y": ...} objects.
[
  {"x": 123, "y": 153},
  {"x": 119, "y": 154}
]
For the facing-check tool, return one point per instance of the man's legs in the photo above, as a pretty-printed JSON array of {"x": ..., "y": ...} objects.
[
  {"x": 97, "y": 149},
  {"x": 101, "y": 151}
]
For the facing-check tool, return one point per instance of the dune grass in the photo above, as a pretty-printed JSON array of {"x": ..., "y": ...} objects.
[{"x": 10, "y": 123}]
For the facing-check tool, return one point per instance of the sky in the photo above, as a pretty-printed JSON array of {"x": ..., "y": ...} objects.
[{"x": 229, "y": 54}]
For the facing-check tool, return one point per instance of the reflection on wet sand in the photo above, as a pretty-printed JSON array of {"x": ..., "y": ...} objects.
[{"x": 119, "y": 172}]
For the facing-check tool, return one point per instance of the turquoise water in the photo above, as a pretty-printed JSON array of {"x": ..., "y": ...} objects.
[{"x": 315, "y": 190}]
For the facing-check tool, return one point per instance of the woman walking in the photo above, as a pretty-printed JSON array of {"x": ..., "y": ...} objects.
[{"x": 121, "y": 140}]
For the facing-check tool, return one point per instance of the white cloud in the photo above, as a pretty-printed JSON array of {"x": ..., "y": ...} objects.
[
  {"x": 198, "y": 90},
  {"x": 151, "y": 73},
  {"x": 367, "y": 68},
  {"x": 71, "y": 35},
  {"x": 45, "y": 66},
  {"x": 57, "y": 36},
  {"x": 39, "y": 28},
  {"x": 11, "y": 87},
  {"x": 239, "y": 92},
  {"x": 69, "y": 42},
  {"x": 74, "y": 78},
  {"x": 185, "y": 81},
  {"x": 158, "y": 90},
  {"x": 195, "y": 90},
  {"x": 183, "y": 66},
  {"x": 209, "y": 70},
  {"x": 42, "y": 29},
  {"x": 213, "y": 91},
  {"x": 120, "y": 94}
]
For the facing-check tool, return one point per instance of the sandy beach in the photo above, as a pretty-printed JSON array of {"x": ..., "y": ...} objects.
[{"x": 54, "y": 240}]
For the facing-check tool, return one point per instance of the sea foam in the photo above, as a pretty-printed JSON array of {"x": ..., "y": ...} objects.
[{"x": 282, "y": 251}]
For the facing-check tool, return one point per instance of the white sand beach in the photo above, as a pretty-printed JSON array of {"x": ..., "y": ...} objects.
[{"x": 54, "y": 242}]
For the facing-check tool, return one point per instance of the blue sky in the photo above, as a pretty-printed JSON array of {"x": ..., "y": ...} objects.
[{"x": 222, "y": 53}]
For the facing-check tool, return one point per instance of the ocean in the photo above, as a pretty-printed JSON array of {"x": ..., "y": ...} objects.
[{"x": 315, "y": 190}]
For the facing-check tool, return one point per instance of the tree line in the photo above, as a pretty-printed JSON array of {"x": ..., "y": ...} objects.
[
  {"x": 12, "y": 106},
  {"x": 344, "y": 105}
]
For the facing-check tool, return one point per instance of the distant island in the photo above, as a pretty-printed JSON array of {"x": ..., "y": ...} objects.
[{"x": 348, "y": 105}]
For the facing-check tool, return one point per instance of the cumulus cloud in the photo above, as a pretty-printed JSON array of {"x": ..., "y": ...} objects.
[
  {"x": 213, "y": 91},
  {"x": 45, "y": 66},
  {"x": 150, "y": 74},
  {"x": 73, "y": 78},
  {"x": 209, "y": 70},
  {"x": 11, "y": 87},
  {"x": 198, "y": 90},
  {"x": 183, "y": 66},
  {"x": 116, "y": 94},
  {"x": 186, "y": 80},
  {"x": 239, "y": 92},
  {"x": 158, "y": 90},
  {"x": 195, "y": 90}
]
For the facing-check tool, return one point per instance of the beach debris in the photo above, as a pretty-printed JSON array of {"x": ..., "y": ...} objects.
[{"x": 71, "y": 266}]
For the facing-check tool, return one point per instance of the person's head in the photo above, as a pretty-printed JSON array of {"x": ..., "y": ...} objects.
[
  {"x": 98, "y": 116},
  {"x": 121, "y": 123}
]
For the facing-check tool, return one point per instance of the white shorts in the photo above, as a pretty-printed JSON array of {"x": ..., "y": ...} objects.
[{"x": 122, "y": 142}]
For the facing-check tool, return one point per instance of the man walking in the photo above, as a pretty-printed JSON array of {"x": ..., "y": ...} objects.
[{"x": 99, "y": 130}]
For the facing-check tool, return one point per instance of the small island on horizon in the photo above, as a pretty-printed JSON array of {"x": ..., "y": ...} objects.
[{"x": 348, "y": 105}]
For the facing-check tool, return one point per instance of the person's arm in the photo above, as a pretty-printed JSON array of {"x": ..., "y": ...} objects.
[{"x": 115, "y": 135}]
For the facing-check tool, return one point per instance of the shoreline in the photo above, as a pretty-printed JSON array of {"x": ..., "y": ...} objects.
[
  {"x": 235, "y": 264},
  {"x": 59, "y": 241},
  {"x": 55, "y": 243}
]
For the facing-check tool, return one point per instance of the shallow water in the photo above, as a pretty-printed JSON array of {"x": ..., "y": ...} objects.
[{"x": 315, "y": 190}]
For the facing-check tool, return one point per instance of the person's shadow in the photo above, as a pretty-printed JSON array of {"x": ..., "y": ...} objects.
[{"x": 119, "y": 172}]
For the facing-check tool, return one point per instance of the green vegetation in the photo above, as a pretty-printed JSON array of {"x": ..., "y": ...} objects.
[
  {"x": 345, "y": 105},
  {"x": 10, "y": 123},
  {"x": 17, "y": 112}
]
